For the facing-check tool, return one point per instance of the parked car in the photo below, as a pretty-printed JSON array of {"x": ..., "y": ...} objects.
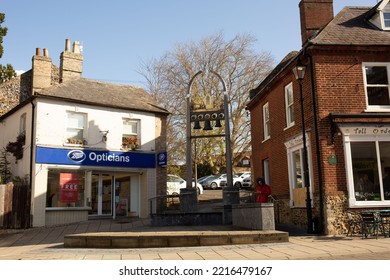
[
  {"x": 213, "y": 182},
  {"x": 247, "y": 182},
  {"x": 175, "y": 183},
  {"x": 204, "y": 178},
  {"x": 237, "y": 179},
  {"x": 224, "y": 181}
]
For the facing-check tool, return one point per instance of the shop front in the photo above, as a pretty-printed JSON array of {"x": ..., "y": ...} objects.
[
  {"x": 73, "y": 185},
  {"x": 367, "y": 158}
]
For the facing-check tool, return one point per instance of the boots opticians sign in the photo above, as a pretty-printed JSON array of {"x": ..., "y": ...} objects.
[
  {"x": 80, "y": 156},
  {"x": 95, "y": 158}
]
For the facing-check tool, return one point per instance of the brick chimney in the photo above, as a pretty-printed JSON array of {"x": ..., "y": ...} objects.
[
  {"x": 71, "y": 62},
  {"x": 41, "y": 70},
  {"x": 315, "y": 15}
]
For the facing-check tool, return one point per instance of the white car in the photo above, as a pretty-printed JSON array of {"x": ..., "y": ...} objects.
[
  {"x": 237, "y": 180},
  {"x": 247, "y": 182},
  {"x": 175, "y": 183}
]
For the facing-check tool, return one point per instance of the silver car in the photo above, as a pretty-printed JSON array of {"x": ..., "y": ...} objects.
[{"x": 213, "y": 182}]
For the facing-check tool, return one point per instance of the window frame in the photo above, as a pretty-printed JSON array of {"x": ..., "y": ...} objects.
[
  {"x": 266, "y": 171},
  {"x": 78, "y": 142},
  {"x": 137, "y": 134},
  {"x": 82, "y": 189},
  {"x": 266, "y": 122},
  {"x": 289, "y": 106},
  {"x": 23, "y": 124},
  {"x": 383, "y": 13},
  {"x": 386, "y": 27},
  {"x": 292, "y": 146},
  {"x": 376, "y": 108},
  {"x": 348, "y": 139}
]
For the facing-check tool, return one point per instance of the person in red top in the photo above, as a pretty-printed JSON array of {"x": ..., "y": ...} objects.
[{"x": 262, "y": 190}]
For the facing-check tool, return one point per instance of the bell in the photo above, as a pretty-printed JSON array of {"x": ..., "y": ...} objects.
[
  {"x": 197, "y": 125},
  {"x": 207, "y": 125},
  {"x": 218, "y": 123}
]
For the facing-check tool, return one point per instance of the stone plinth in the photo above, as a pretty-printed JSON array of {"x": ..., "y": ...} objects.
[
  {"x": 188, "y": 200},
  {"x": 258, "y": 216}
]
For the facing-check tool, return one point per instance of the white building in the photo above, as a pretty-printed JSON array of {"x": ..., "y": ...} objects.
[{"x": 89, "y": 148}]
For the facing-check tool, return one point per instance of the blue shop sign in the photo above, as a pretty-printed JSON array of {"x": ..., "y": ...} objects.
[
  {"x": 162, "y": 159},
  {"x": 95, "y": 158}
]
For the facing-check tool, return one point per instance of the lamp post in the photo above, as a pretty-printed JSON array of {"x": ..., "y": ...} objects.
[{"x": 299, "y": 73}]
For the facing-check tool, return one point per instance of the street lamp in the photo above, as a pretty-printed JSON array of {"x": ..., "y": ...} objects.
[{"x": 299, "y": 73}]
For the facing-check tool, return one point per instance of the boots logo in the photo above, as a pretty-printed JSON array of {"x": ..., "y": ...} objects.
[{"x": 77, "y": 156}]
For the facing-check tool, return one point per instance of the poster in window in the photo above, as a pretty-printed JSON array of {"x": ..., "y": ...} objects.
[{"x": 69, "y": 186}]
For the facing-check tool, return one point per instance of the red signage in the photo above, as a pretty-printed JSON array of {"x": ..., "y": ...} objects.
[{"x": 69, "y": 186}]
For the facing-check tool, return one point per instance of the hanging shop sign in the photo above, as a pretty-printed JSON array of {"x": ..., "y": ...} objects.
[
  {"x": 95, "y": 158},
  {"x": 162, "y": 159}
]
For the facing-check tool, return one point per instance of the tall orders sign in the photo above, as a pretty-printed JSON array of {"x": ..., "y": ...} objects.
[{"x": 69, "y": 186}]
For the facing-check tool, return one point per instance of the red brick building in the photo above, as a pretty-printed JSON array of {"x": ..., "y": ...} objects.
[{"x": 346, "y": 101}]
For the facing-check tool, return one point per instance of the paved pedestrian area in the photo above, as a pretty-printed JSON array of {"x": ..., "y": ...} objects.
[{"x": 47, "y": 243}]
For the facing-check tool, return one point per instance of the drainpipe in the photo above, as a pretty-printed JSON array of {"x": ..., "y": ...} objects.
[
  {"x": 32, "y": 154},
  {"x": 318, "y": 150}
]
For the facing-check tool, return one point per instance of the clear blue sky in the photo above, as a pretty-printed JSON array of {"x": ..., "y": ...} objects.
[{"x": 117, "y": 35}]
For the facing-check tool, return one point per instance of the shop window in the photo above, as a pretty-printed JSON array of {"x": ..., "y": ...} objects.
[
  {"x": 376, "y": 77},
  {"x": 76, "y": 128},
  {"x": 371, "y": 171},
  {"x": 266, "y": 122},
  {"x": 130, "y": 135},
  {"x": 289, "y": 102},
  {"x": 65, "y": 188}
]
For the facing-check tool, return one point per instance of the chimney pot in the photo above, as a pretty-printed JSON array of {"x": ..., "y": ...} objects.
[
  {"x": 76, "y": 47},
  {"x": 67, "y": 45},
  {"x": 46, "y": 52},
  {"x": 38, "y": 51},
  {"x": 71, "y": 62}
]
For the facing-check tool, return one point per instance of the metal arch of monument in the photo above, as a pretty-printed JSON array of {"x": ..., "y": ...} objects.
[{"x": 188, "y": 196}]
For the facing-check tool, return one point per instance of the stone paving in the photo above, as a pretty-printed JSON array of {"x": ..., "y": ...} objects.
[{"x": 47, "y": 243}]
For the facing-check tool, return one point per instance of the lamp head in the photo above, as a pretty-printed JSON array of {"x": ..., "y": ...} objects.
[{"x": 299, "y": 71}]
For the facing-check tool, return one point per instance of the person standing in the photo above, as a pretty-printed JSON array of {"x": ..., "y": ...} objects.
[{"x": 262, "y": 190}]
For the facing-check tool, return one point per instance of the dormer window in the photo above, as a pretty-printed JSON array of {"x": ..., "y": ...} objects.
[
  {"x": 386, "y": 20},
  {"x": 381, "y": 19}
]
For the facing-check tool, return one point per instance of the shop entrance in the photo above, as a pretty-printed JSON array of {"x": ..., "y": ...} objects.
[{"x": 114, "y": 194}]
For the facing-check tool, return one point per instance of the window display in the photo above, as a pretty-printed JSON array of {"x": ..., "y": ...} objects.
[{"x": 65, "y": 188}]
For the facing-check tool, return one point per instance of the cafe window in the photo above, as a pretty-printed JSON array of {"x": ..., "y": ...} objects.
[
  {"x": 371, "y": 171},
  {"x": 65, "y": 188}
]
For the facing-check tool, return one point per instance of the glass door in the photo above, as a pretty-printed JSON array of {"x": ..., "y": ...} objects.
[
  {"x": 106, "y": 180},
  {"x": 101, "y": 195}
]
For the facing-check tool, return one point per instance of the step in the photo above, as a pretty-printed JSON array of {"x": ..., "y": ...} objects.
[{"x": 173, "y": 238}]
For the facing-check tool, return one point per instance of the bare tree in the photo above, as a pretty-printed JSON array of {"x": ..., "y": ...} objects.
[{"x": 241, "y": 68}]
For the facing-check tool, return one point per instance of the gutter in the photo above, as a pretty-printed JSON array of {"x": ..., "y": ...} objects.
[
  {"x": 32, "y": 153},
  {"x": 318, "y": 150}
]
